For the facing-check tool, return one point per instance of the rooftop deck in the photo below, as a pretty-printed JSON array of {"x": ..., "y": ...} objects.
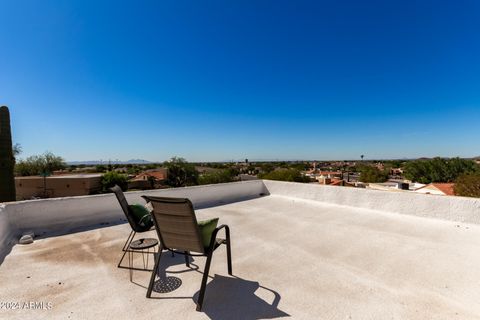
[{"x": 292, "y": 257}]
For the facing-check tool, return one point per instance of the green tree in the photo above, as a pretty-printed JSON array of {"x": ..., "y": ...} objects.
[
  {"x": 468, "y": 185},
  {"x": 112, "y": 178},
  {"x": 299, "y": 166},
  {"x": 438, "y": 169},
  {"x": 43, "y": 164},
  {"x": 292, "y": 175},
  {"x": 101, "y": 168},
  {"x": 222, "y": 176},
  {"x": 133, "y": 170},
  {"x": 180, "y": 173},
  {"x": 394, "y": 163},
  {"x": 266, "y": 167},
  {"x": 371, "y": 174}
]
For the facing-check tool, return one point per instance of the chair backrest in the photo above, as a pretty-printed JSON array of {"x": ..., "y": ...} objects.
[
  {"x": 176, "y": 223},
  {"x": 126, "y": 209}
]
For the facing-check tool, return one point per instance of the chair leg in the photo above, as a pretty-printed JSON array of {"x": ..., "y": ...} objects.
[
  {"x": 204, "y": 281},
  {"x": 229, "y": 251},
  {"x": 126, "y": 246},
  {"x": 127, "y": 243},
  {"x": 154, "y": 272},
  {"x": 187, "y": 259}
]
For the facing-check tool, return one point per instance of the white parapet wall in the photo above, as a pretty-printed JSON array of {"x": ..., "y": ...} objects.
[
  {"x": 7, "y": 232},
  {"x": 63, "y": 215},
  {"x": 459, "y": 209}
]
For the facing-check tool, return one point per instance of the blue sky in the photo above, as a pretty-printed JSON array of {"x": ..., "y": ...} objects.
[{"x": 222, "y": 80}]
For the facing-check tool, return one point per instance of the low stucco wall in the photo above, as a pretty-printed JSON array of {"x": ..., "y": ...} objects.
[
  {"x": 63, "y": 215},
  {"x": 433, "y": 206}
]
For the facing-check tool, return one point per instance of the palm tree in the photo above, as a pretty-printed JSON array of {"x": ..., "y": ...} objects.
[{"x": 17, "y": 149}]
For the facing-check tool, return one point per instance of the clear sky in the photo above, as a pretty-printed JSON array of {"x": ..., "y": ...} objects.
[{"x": 221, "y": 80}]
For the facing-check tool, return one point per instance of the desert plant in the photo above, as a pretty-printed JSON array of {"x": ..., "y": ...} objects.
[
  {"x": 180, "y": 173},
  {"x": 7, "y": 160},
  {"x": 43, "y": 164}
]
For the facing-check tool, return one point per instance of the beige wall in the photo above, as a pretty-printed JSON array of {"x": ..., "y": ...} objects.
[{"x": 28, "y": 187}]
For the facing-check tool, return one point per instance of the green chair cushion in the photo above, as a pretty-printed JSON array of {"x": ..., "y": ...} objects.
[
  {"x": 141, "y": 215},
  {"x": 206, "y": 230}
]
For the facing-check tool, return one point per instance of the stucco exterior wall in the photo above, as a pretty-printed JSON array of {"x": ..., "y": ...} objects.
[{"x": 28, "y": 187}]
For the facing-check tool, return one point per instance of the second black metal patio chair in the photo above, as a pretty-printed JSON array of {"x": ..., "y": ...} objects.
[
  {"x": 179, "y": 232},
  {"x": 139, "y": 225}
]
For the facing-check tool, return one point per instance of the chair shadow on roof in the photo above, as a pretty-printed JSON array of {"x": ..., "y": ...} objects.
[
  {"x": 235, "y": 298},
  {"x": 166, "y": 277},
  {"x": 230, "y": 297}
]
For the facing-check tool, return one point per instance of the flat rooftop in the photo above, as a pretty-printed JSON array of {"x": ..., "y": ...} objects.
[
  {"x": 291, "y": 258},
  {"x": 64, "y": 176}
]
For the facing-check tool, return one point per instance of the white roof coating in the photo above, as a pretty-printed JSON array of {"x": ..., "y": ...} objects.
[{"x": 291, "y": 258}]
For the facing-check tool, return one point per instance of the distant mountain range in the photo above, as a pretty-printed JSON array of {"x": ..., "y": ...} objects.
[{"x": 98, "y": 162}]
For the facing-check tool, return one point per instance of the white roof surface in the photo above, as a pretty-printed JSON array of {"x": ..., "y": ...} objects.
[{"x": 297, "y": 258}]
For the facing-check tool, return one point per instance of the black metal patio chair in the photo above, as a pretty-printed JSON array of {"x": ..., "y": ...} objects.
[
  {"x": 179, "y": 232},
  {"x": 138, "y": 226}
]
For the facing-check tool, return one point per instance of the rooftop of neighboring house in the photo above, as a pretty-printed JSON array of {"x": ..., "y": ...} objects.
[
  {"x": 158, "y": 174},
  {"x": 445, "y": 188}
]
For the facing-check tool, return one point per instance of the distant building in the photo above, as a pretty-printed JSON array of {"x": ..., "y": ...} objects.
[
  {"x": 159, "y": 174},
  {"x": 148, "y": 179},
  {"x": 323, "y": 176},
  {"x": 388, "y": 186},
  {"x": 335, "y": 182},
  {"x": 395, "y": 185},
  {"x": 57, "y": 186},
  {"x": 396, "y": 171},
  {"x": 446, "y": 189}
]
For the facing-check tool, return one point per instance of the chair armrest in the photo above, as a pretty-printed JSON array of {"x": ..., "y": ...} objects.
[{"x": 214, "y": 235}]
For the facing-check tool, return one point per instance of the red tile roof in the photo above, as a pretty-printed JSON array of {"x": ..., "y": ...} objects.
[
  {"x": 446, "y": 188},
  {"x": 158, "y": 175}
]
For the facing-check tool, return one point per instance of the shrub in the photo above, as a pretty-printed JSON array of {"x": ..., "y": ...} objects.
[
  {"x": 222, "y": 176},
  {"x": 292, "y": 175},
  {"x": 468, "y": 185},
  {"x": 370, "y": 174},
  {"x": 112, "y": 178}
]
